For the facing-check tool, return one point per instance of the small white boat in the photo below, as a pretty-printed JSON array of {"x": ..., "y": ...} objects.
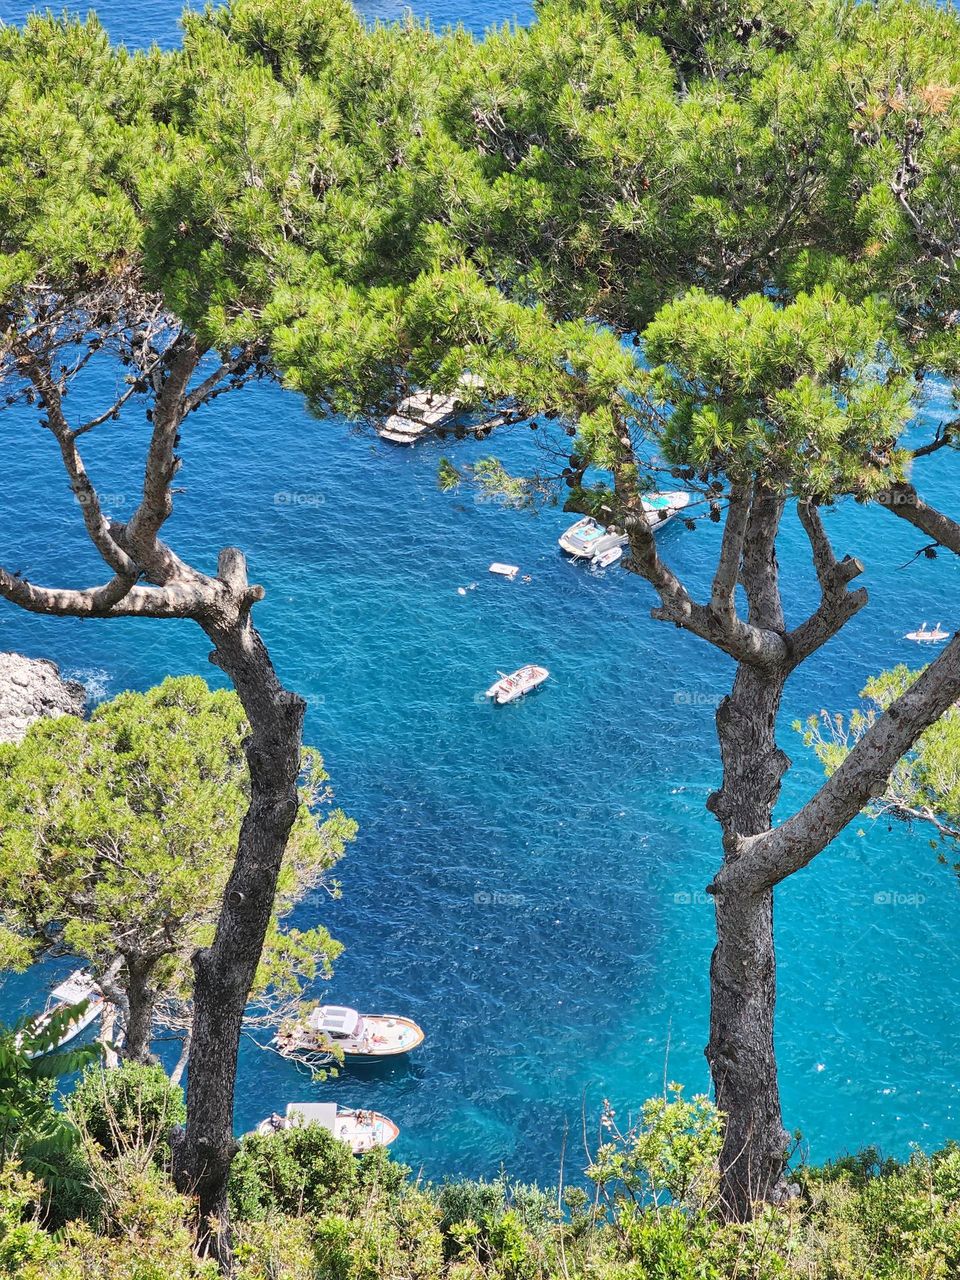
[
  {"x": 357, "y": 1035},
  {"x": 73, "y": 991},
  {"x": 606, "y": 558},
  {"x": 505, "y": 570},
  {"x": 423, "y": 412},
  {"x": 520, "y": 682},
  {"x": 928, "y": 635},
  {"x": 588, "y": 539},
  {"x": 360, "y": 1130}
]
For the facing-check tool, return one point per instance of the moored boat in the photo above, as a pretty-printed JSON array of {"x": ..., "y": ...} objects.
[
  {"x": 79, "y": 992},
  {"x": 588, "y": 539},
  {"x": 424, "y": 412},
  {"x": 361, "y": 1130},
  {"x": 510, "y": 687},
  {"x": 606, "y": 558},
  {"x": 356, "y": 1035}
]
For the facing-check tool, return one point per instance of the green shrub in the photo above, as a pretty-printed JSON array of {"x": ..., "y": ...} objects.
[
  {"x": 131, "y": 1106},
  {"x": 507, "y": 1225},
  {"x": 23, "y": 1245},
  {"x": 296, "y": 1171}
]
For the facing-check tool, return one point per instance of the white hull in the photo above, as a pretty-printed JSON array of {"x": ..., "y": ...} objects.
[
  {"x": 380, "y": 1035},
  {"x": 588, "y": 540},
  {"x": 928, "y": 635},
  {"x": 424, "y": 412},
  {"x": 521, "y": 682},
  {"x": 71, "y": 994},
  {"x": 362, "y": 1131}
]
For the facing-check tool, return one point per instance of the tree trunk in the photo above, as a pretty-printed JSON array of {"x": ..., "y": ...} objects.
[
  {"x": 743, "y": 970},
  {"x": 743, "y": 980},
  {"x": 224, "y": 973},
  {"x": 176, "y": 1075},
  {"x": 141, "y": 999},
  {"x": 108, "y": 1023}
]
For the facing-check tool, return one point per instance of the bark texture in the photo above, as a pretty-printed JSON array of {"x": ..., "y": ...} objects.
[
  {"x": 743, "y": 968},
  {"x": 756, "y": 855},
  {"x": 141, "y": 998},
  {"x": 224, "y": 973}
]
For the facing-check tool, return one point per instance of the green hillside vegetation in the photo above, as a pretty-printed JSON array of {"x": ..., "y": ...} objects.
[{"x": 304, "y": 1208}]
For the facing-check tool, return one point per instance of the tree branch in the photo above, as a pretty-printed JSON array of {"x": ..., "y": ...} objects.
[
  {"x": 746, "y": 643},
  {"x": 767, "y": 859},
  {"x": 904, "y": 501},
  {"x": 837, "y": 604},
  {"x": 723, "y": 594},
  {"x": 115, "y": 599}
]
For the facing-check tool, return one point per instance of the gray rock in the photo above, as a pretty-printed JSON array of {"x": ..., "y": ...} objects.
[{"x": 31, "y": 688}]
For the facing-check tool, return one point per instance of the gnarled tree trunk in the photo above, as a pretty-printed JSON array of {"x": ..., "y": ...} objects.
[
  {"x": 148, "y": 579},
  {"x": 743, "y": 969},
  {"x": 224, "y": 972}
]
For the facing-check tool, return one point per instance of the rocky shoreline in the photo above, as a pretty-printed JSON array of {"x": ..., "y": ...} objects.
[{"x": 31, "y": 688}]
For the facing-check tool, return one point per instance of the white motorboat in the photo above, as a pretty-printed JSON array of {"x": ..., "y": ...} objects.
[
  {"x": 356, "y": 1035},
  {"x": 606, "y": 558},
  {"x": 71, "y": 993},
  {"x": 588, "y": 539},
  {"x": 360, "y": 1130},
  {"x": 423, "y": 412},
  {"x": 522, "y": 681},
  {"x": 663, "y": 506},
  {"x": 928, "y": 635}
]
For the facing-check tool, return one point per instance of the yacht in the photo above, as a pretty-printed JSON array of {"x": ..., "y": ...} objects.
[
  {"x": 589, "y": 540},
  {"x": 357, "y": 1035},
  {"x": 360, "y": 1130}
]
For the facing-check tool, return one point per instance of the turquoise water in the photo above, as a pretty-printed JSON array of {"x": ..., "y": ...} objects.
[{"x": 528, "y": 882}]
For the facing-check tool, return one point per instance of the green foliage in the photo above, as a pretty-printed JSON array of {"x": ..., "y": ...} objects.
[
  {"x": 117, "y": 835},
  {"x": 305, "y": 1207},
  {"x": 34, "y": 1134},
  {"x": 134, "y": 1104},
  {"x": 805, "y": 396},
  {"x": 302, "y": 1168},
  {"x": 24, "y": 1247},
  {"x": 925, "y": 785},
  {"x": 669, "y": 1155},
  {"x": 509, "y": 1222}
]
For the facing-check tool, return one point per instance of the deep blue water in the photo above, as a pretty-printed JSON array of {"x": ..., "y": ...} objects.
[{"x": 527, "y": 883}]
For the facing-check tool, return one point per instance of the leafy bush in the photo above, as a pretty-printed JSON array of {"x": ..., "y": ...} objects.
[
  {"x": 131, "y": 1106},
  {"x": 296, "y": 1171},
  {"x": 504, "y": 1224},
  {"x": 670, "y": 1156}
]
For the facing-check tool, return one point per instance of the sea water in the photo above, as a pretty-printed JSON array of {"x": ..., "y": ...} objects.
[{"x": 528, "y": 882}]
